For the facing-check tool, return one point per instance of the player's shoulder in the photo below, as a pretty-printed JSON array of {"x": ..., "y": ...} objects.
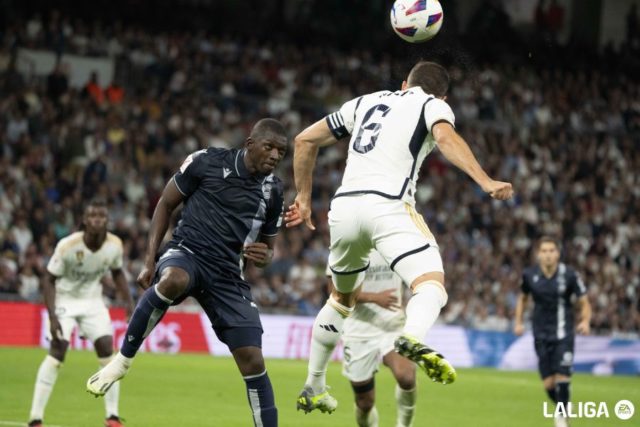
[
  {"x": 69, "y": 241},
  {"x": 568, "y": 270},
  {"x": 274, "y": 184},
  {"x": 530, "y": 271},
  {"x": 113, "y": 240}
]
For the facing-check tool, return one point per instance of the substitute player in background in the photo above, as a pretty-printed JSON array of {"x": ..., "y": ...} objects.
[
  {"x": 369, "y": 334},
  {"x": 232, "y": 211},
  {"x": 73, "y": 296},
  {"x": 554, "y": 287},
  {"x": 390, "y": 133}
]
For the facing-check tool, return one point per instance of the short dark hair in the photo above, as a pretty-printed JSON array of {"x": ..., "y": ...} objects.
[
  {"x": 96, "y": 202},
  {"x": 431, "y": 77},
  {"x": 548, "y": 239},
  {"x": 268, "y": 125}
]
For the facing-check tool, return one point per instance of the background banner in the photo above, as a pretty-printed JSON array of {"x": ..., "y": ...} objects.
[{"x": 289, "y": 337}]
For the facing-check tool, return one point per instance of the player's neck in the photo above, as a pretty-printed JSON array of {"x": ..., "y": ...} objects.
[
  {"x": 94, "y": 241},
  {"x": 549, "y": 270}
]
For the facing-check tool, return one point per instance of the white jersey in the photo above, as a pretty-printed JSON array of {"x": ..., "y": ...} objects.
[
  {"x": 390, "y": 138},
  {"x": 369, "y": 320},
  {"x": 79, "y": 270}
]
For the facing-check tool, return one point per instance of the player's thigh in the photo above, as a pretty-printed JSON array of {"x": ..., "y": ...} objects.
[
  {"x": 233, "y": 314},
  {"x": 350, "y": 243},
  {"x": 406, "y": 243},
  {"x": 544, "y": 351},
  {"x": 403, "y": 370},
  {"x": 95, "y": 322},
  {"x": 563, "y": 357},
  {"x": 66, "y": 313},
  {"x": 361, "y": 360}
]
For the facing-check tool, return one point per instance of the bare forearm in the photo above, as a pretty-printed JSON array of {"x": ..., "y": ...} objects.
[
  {"x": 585, "y": 311},
  {"x": 366, "y": 297},
  {"x": 304, "y": 160},
  {"x": 456, "y": 150},
  {"x": 159, "y": 226},
  {"x": 49, "y": 295},
  {"x": 123, "y": 287},
  {"x": 519, "y": 314}
]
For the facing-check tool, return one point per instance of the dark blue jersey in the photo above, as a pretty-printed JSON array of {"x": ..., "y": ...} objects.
[
  {"x": 553, "y": 299},
  {"x": 225, "y": 207}
]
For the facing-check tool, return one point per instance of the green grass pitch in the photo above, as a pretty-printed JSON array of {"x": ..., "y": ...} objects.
[{"x": 199, "y": 390}]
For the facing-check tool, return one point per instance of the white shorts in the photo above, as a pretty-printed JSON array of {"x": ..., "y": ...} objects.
[
  {"x": 360, "y": 223},
  {"x": 363, "y": 357},
  {"x": 91, "y": 317}
]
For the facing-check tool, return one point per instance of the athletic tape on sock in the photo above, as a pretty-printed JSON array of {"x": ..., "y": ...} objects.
[
  {"x": 342, "y": 309},
  {"x": 420, "y": 287}
]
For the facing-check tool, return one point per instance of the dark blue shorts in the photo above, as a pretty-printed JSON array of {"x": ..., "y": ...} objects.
[
  {"x": 225, "y": 297},
  {"x": 554, "y": 356}
]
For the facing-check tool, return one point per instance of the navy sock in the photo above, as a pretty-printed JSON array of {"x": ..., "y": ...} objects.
[
  {"x": 261, "y": 400},
  {"x": 148, "y": 313},
  {"x": 562, "y": 392},
  {"x": 552, "y": 394}
]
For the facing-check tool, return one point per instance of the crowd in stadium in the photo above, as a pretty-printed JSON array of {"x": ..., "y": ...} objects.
[{"x": 568, "y": 139}]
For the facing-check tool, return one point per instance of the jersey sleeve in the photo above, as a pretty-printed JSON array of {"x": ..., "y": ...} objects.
[
  {"x": 579, "y": 288},
  {"x": 191, "y": 173},
  {"x": 437, "y": 111},
  {"x": 342, "y": 121},
  {"x": 274, "y": 213},
  {"x": 56, "y": 263},
  {"x": 524, "y": 286},
  {"x": 117, "y": 262}
]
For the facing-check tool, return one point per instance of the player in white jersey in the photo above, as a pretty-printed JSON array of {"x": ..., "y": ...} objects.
[
  {"x": 73, "y": 296},
  {"x": 390, "y": 135},
  {"x": 369, "y": 335}
]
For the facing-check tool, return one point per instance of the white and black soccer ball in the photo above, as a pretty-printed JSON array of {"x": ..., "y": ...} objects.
[{"x": 416, "y": 21}]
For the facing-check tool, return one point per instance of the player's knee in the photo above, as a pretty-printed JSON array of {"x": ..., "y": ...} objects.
[
  {"x": 173, "y": 282},
  {"x": 58, "y": 349},
  {"x": 406, "y": 380},
  {"x": 365, "y": 402},
  {"x": 249, "y": 360}
]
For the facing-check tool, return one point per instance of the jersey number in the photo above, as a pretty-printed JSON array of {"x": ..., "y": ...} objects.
[{"x": 370, "y": 129}]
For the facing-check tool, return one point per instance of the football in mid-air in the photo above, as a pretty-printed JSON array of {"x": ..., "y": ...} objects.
[{"x": 416, "y": 21}]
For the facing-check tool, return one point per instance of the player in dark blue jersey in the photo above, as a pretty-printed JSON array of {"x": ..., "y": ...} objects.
[
  {"x": 555, "y": 288},
  {"x": 232, "y": 211}
]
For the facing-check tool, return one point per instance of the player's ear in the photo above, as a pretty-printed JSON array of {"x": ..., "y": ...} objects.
[
  {"x": 404, "y": 85},
  {"x": 248, "y": 142}
]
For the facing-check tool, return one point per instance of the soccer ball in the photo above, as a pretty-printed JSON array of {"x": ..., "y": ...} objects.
[{"x": 416, "y": 21}]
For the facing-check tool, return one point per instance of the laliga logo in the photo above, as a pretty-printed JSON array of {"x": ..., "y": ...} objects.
[{"x": 624, "y": 410}]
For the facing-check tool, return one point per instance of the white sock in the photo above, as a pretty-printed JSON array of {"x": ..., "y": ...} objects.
[
  {"x": 423, "y": 309},
  {"x": 327, "y": 330},
  {"x": 406, "y": 403},
  {"x": 367, "y": 419},
  {"x": 45, "y": 380},
  {"x": 112, "y": 397}
]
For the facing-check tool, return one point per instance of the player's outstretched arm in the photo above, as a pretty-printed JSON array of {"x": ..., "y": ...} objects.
[
  {"x": 170, "y": 199},
  {"x": 584, "y": 327},
  {"x": 456, "y": 150},
  {"x": 518, "y": 323},
  {"x": 306, "y": 147},
  {"x": 49, "y": 294},
  {"x": 122, "y": 288}
]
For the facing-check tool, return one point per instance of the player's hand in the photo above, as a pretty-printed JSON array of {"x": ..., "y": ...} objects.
[
  {"x": 518, "y": 329},
  {"x": 583, "y": 328},
  {"x": 145, "y": 276},
  {"x": 499, "y": 190},
  {"x": 258, "y": 252},
  {"x": 387, "y": 299},
  {"x": 56, "y": 329},
  {"x": 129, "y": 311},
  {"x": 299, "y": 212}
]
